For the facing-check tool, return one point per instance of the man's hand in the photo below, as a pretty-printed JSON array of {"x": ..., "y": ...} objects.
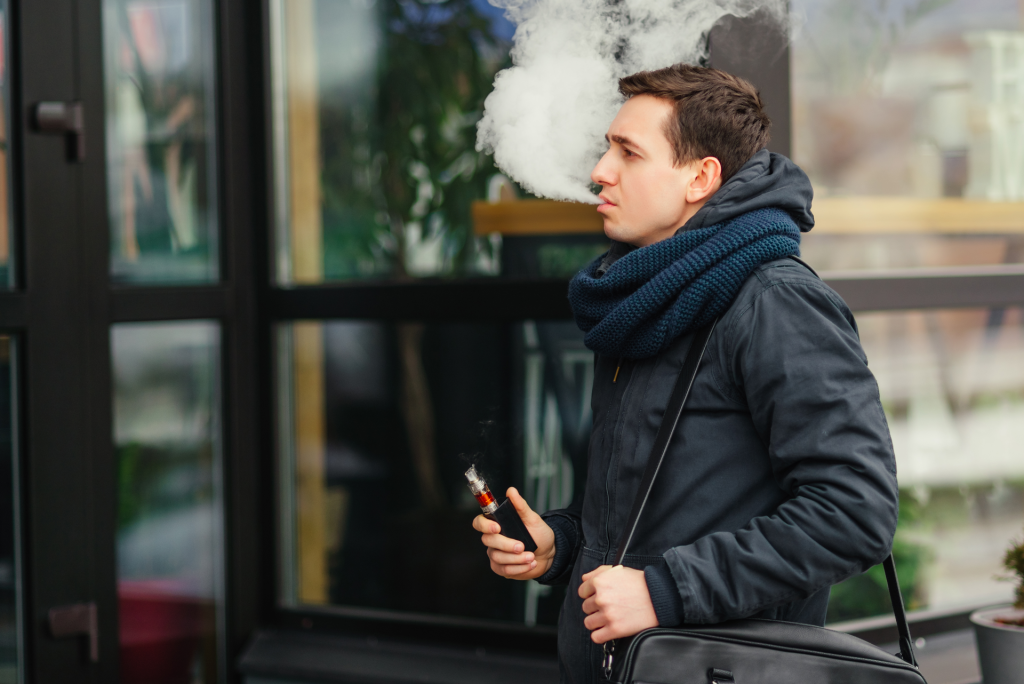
[
  {"x": 508, "y": 558},
  {"x": 616, "y": 602}
]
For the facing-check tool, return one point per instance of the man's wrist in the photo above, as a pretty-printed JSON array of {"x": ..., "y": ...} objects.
[
  {"x": 668, "y": 604},
  {"x": 562, "y": 548},
  {"x": 544, "y": 564}
]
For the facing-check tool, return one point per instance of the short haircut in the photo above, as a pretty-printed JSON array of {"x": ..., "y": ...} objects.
[{"x": 716, "y": 114}]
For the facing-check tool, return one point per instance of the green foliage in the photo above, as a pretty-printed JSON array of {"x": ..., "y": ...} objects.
[
  {"x": 1014, "y": 563},
  {"x": 129, "y": 505},
  {"x": 399, "y": 155},
  {"x": 564, "y": 261},
  {"x": 867, "y": 595},
  {"x": 154, "y": 480}
]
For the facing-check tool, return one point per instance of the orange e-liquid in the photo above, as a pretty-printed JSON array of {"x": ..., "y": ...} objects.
[{"x": 482, "y": 492}]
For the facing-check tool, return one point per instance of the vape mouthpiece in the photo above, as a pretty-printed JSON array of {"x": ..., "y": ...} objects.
[{"x": 481, "y": 491}]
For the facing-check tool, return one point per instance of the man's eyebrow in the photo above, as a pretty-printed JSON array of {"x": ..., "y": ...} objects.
[{"x": 623, "y": 140}]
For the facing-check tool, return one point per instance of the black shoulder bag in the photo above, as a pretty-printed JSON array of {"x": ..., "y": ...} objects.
[{"x": 750, "y": 651}]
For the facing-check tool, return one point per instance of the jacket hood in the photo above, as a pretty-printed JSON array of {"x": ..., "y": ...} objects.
[{"x": 768, "y": 179}]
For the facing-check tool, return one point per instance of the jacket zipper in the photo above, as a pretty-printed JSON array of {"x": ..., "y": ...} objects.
[{"x": 612, "y": 460}]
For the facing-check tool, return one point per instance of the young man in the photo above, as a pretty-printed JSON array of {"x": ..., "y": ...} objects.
[{"x": 780, "y": 479}]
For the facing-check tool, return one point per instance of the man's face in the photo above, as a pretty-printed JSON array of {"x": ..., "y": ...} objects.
[{"x": 646, "y": 197}]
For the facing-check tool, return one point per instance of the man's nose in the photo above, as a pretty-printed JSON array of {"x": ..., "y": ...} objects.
[{"x": 603, "y": 173}]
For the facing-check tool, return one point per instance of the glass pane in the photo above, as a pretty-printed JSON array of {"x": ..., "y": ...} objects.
[
  {"x": 908, "y": 117},
  {"x": 167, "y": 432},
  {"x": 952, "y": 385},
  {"x": 375, "y": 111},
  {"x": 10, "y": 584},
  {"x": 378, "y": 423},
  {"x": 6, "y": 266},
  {"x": 159, "y": 66}
]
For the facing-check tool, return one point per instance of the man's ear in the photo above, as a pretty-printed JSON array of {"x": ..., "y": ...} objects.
[{"x": 707, "y": 180}]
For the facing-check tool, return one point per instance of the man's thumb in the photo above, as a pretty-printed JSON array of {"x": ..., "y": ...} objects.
[{"x": 522, "y": 508}]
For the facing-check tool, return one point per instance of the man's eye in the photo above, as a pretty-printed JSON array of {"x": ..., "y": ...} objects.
[{"x": 628, "y": 152}]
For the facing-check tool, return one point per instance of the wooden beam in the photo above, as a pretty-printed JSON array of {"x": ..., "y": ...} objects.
[
  {"x": 310, "y": 463},
  {"x": 306, "y": 218},
  {"x": 834, "y": 215},
  {"x": 947, "y": 215},
  {"x": 306, "y": 230},
  {"x": 535, "y": 217}
]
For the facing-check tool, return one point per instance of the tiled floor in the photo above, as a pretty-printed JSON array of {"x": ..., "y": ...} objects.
[{"x": 948, "y": 658}]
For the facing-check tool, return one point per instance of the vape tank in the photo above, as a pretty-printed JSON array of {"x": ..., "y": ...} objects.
[{"x": 505, "y": 514}]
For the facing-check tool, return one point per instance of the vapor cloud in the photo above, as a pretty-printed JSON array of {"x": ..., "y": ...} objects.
[{"x": 546, "y": 118}]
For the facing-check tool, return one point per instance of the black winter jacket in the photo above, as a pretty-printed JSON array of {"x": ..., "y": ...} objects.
[{"x": 780, "y": 480}]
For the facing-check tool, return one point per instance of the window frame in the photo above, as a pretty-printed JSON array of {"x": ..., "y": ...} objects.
[
  {"x": 60, "y": 311},
  {"x": 434, "y": 300}
]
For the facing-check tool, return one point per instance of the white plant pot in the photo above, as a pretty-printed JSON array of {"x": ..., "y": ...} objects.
[{"x": 1000, "y": 647}]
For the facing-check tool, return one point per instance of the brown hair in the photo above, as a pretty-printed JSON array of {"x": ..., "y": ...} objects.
[{"x": 716, "y": 114}]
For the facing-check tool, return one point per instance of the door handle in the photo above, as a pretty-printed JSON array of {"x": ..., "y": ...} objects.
[
  {"x": 78, "y": 619},
  {"x": 62, "y": 118}
]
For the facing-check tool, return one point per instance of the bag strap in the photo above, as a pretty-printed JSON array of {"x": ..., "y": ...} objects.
[
  {"x": 906, "y": 643},
  {"x": 673, "y": 412}
]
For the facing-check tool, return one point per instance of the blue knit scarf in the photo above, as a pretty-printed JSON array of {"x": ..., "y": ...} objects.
[{"x": 652, "y": 295}]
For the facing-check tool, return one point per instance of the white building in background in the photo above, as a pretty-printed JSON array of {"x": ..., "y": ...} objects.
[{"x": 996, "y": 156}]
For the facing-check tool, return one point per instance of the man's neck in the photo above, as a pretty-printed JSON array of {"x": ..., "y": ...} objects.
[{"x": 689, "y": 211}]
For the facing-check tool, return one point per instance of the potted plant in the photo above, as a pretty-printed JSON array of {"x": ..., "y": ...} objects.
[{"x": 1000, "y": 631}]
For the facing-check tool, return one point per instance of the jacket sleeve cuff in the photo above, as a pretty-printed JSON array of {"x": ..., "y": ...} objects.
[
  {"x": 668, "y": 604},
  {"x": 567, "y": 538}
]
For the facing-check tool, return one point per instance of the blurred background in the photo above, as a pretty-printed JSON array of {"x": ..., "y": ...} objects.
[{"x": 265, "y": 301}]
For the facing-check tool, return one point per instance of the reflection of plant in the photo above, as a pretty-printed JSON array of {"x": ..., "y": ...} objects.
[
  {"x": 402, "y": 167},
  {"x": 867, "y": 595},
  {"x": 129, "y": 502},
  {"x": 153, "y": 480},
  {"x": 557, "y": 260}
]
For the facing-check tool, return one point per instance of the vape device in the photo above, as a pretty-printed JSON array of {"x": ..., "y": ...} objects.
[{"x": 505, "y": 514}]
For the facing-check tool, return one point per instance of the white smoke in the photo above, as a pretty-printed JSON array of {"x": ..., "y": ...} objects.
[{"x": 546, "y": 118}]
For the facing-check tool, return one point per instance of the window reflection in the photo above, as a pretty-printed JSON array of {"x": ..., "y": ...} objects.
[
  {"x": 167, "y": 436},
  {"x": 952, "y": 386},
  {"x": 375, "y": 111},
  {"x": 377, "y": 421},
  {"x": 160, "y": 126},
  {"x": 376, "y": 416},
  {"x": 908, "y": 117},
  {"x": 10, "y": 599},
  {"x": 6, "y": 270}
]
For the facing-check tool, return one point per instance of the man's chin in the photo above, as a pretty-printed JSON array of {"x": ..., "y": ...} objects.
[{"x": 614, "y": 231}]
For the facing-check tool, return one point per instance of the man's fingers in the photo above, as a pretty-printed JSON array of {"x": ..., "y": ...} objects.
[
  {"x": 596, "y": 571},
  {"x": 587, "y": 588},
  {"x": 497, "y": 541},
  {"x": 512, "y": 571},
  {"x": 590, "y": 605},
  {"x": 595, "y": 621},
  {"x": 503, "y": 558},
  {"x": 600, "y": 636},
  {"x": 519, "y": 503},
  {"x": 485, "y": 525}
]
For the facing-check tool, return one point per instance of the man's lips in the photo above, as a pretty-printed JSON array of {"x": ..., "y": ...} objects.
[{"x": 606, "y": 204}]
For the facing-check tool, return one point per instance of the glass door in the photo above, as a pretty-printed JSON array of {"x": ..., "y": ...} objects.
[
  {"x": 53, "y": 310},
  {"x": 162, "y": 219},
  {"x": 127, "y": 326}
]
